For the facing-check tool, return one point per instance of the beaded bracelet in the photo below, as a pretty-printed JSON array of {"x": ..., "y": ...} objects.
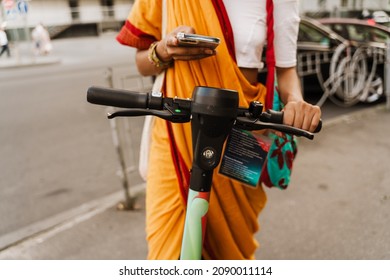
[{"x": 154, "y": 59}]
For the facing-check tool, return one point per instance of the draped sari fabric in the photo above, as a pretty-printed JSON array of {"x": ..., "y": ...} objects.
[{"x": 234, "y": 208}]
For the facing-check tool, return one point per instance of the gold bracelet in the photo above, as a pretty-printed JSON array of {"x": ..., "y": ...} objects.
[{"x": 154, "y": 59}]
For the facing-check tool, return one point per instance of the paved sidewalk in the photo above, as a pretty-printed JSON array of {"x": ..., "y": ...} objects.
[
  {"x": 22, "y": 56},
  {"x": 24, "y": 61},
  {"x": 337, "y": 206}
]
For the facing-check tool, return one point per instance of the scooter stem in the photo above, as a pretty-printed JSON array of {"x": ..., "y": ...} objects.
[{"x": 214, "y": 112}]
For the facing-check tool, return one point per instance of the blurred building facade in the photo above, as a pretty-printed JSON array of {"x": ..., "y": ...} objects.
[
  {"x": 60, "y": 15},
  {"x": 88, "y": 16},
  {"x": 341, "y": 8},
  {"x": 60, "y": 12}
]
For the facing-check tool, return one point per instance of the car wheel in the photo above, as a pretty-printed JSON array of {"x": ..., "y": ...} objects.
[
  {"x": 375, "y": 91},
  {"x": 374, "y": 88}
]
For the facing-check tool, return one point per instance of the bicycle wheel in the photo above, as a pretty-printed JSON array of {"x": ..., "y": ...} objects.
[{"x": 349, "y": 74}]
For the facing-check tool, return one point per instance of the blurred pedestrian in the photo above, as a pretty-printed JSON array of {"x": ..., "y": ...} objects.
[
  {"x": 4, "y": 41},
  {"x": 41, "y": 38},
  {"x": 366, "y": 14}
]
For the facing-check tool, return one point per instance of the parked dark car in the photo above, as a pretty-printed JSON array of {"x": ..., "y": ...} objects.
[
  {"x": 332, "y": 65},
  {"x": 359, "y": 31}
]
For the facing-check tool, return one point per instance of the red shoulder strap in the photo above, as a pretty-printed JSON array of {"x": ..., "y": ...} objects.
[
  {"x": 226, "y": 27},
  {"x": 270, "y": 55}
]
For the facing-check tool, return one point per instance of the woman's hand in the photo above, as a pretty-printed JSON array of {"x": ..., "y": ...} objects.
[
  {"x": 302, "y": 115},
  {"x": 169, "y": 49},
  {"x": 297, "y": 112}
]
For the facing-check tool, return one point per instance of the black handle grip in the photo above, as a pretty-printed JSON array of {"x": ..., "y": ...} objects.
[
  {"x": 117, "y": 98},
  {"x": 277, "y": 117},
  {"x": 319, "y": 127}
]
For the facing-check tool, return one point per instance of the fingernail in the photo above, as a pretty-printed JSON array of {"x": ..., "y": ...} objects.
[{"x": 208, "y": 51}]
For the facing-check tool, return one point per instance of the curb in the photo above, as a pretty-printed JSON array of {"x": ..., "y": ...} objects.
[
  {"x": 29, "y": 63},
  {"x": 63, "y": 221}
]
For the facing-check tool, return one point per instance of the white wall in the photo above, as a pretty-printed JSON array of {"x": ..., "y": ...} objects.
[
  {"x": 57, "y": 12},
  {"x": 90, "y": 11},
  {"x": 122, "y": 9},
  {"x": 49, "y": 12}
]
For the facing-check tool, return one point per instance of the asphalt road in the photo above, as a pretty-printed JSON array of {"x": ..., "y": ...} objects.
[{"x": 56, "y": 149}]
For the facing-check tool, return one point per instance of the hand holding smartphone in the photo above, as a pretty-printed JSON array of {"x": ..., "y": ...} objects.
[{"x": 196, "y": 40}]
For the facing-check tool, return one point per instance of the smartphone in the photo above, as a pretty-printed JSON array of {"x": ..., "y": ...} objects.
[{"x": 195, "y": 40}]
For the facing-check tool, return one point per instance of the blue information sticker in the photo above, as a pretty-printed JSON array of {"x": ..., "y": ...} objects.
[{"x": 244, "y": 156}]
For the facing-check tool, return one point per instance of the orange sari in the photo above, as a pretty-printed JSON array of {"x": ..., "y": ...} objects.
[{"x": 234, "y": 207}]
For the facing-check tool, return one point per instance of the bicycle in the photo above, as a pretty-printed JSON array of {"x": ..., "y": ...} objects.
[
  {"x": 350, "y": 80},
  {"x": 212, "y": 112}
]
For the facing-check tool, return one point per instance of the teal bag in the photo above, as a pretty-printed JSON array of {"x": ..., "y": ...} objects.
[{"x": 282, "y": 152}]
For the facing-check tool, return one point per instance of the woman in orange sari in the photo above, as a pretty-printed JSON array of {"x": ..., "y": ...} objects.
[{"x": 234, "y": 207}]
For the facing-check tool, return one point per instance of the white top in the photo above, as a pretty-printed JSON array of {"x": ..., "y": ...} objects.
[
  {"x": 3, "y": 38},
  {"x": 249, "y": 23}
]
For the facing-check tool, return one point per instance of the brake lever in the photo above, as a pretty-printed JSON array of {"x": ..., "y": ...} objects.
[
  {"x": 255, "y": 124},
  {"x": 166, "y": 115}
]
